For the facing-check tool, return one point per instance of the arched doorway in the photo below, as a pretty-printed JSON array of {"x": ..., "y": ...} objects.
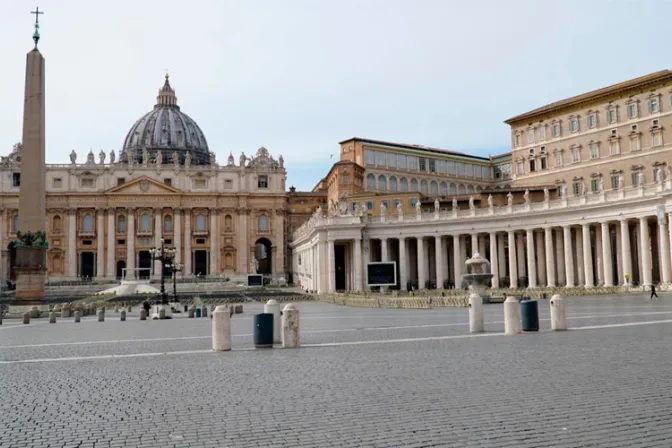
[
  {"x": 263, "y": 255},
  {"x": 121, "y": 265}
]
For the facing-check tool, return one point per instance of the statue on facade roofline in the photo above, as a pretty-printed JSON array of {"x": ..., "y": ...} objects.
[
  {"x": 158, "y": 159},
  {"x": 73, "y": 157},
  {"x": 454, "y": 205},
  {"x": 400, "y": 209},
  {"x": 383, "y": 208},
  {"x": 112, "y": 156},
  {"x": 145, "y": 157},
  {"x": 471, "y": 203},
  {"x": 281, "y": 161},
  {"x": 437, "y": 205},
  {"x": 490, "y": 202},
  {"x": 509, "y": 198},
  {"x": 546, "y": 194},
  {"x": 187, "y": 160},
  {"x": 242, "y": 159},
  {"x": 526, "y": 196},
  {"x": 213, "y": 159},
  {"x": 176, "y": 159},
  {"x": 418, "y": 207},
  {"x": 101, "y": 157}
]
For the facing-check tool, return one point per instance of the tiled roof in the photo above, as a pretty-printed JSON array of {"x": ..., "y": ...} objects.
[{"x": 415, "y": 147}]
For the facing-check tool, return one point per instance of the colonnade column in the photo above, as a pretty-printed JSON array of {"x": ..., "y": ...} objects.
[
  {"x": 187, "y": 243},
  {"x": 550, "y": 257},
  {"x": 358, "y": 265},
  {"x": 520, "y": 255},
  {"x": 457, "y": 264},
  {"x": 111, "y": 271},
  {"x": 403, "y": 269},
  {"x": 569, "y": 255},
  {"x": 501, "y": 255},
  {"x": 130, "y": 244},
  {"x": 645, "y": 251},
  {"x": 625, "y": 247},
  {"x": 438, "y": 250},
  {"x": 100, "y": 240},
  {"x": 422, "y": 275},
  {"x": 541, "y": 258},
  {"x": 561, "y": 279},
  {"x": 531, "y": 261},
  {"x": 587, "y": 256},
  {"x": 581, "y": 273},
  {"x": 606, "y": 255},
  {"x": 384, "y": 256},
  {"x": 474, "y": 245},
  {"x": 331, "y": 266},
  {"x": 494, "y": 260},
  {"x": 669, "y": 232},
  {"x": 513, "y": 263},
  {"x": 664, "y": 245}
]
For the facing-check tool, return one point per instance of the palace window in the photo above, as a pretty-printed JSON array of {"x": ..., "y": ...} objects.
[
  {"x": 614, "y": 146},
  {"x": 15, "y": 223},
  {"x": 396, "y": 203},
  {"x": 591, "y": 120},
  {"x": 121, "y": 224},
  {"x": 518, "y": 140},
  {"x": 542, "y": 133},
  {"x": 556, "y": 129},
  {"x": 57, "y": 182},
  {"x": 520, "y": 167},
  {"x": 432, "y": 165},
  {"x": 263, "y": 223},
  {"x": 576, "y": 155},
  {"x": 369, "y": 157},
  {"x": 422, "y": 163},
  {"x": 594, "y": 150},
  {"x": 612, "y": 115},
  {"x": 382, "y": 183},
  {"x": 145, "y": 223},
  {"x": 444, "y": 189},
  {"x": 657, "y": 138},
  {"x": 393, "y": 184},
  {"x": 532, "y": 164},
  {"x": 423, "y": 186},
  {"x": 345, "y": 179},
  {"x": 414, "y": 185},
  {"x": 615, "y": 183},
  {"x": 88, "y": 182},
  {"x": 530, "y": 136},
  {"x": 558, "y": 159},
  {"x": 200, "y": 223},
  {"x": 369, "y": 205},
  {"x": 168, "y": 224},
  {"x": 637, "y": 178},
  {"x": 656, "y": 174},
  {"x": 654, "y": 105},
  {"x": 559, "y": 190},
  {"x": 595, "y": 185},
  {"x": 262, "y": 181},
  {"x": 434, "y": 188},
  {"x": 633, "y": 110},
  {"x": 370, "y": 182},
  {"x": 576, "y": 187},
  {"x": 573, "y": 124},
  {"x": 228, "y": 184},
  {"x": 199, "y": 183},
  {"x": 87, "y": 223},
  {"x": 412, "y": 202},
  {"x": 16, "y": 179},
  {"x": 634, "y": 142},
  {"x": 404, "y": 185}
]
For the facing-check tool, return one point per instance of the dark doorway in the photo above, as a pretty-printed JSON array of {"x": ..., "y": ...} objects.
[
  {"x": 87, "y": 265},
  {"x": 144, "y": 265},
  {"x": 339, "y": 255},
  {"x": 121, "y": 265},
  {"x": 12, "y": 261},
  {"x": 201, "y": 262},
  {"x": 263, "y": 254}
]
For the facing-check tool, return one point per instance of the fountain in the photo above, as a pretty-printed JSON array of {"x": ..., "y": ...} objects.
[{"x": 477, "y": 278}]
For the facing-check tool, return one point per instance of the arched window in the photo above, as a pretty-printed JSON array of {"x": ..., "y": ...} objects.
[
  {"x": 470, "y": 189},
  {"x": 404, "y": 185},
  {"x": 200, "y": 222},
  {"x": 382, "y": 183},
  {"x": 87, "y": 223},
  {"x": 263, "y": 223},
  {"x": 444, "y": 189},
  {"x": 228, "y": 223},
  {"x": 434, "y": 188},
  {"x": 423, "y": 187},
  {"x": 452, "y": 189},
  {"x": 121, "y": 224},
  {"x": 414, "y": 185},
  {"x": 145, "y": 222},
  {"x": 370, "y": 182},
  {"x": 168, "y": 224},
  {"x": 228, "y": 260},
  {"x": 461, "y": 189},
  {"x": 15, "y": 223},
  {"x": 393, "y": 184},
  {"x": 56, "y": 224}
]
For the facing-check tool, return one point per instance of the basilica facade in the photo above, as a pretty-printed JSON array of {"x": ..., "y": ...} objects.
[{"x": 106, "y": 211}]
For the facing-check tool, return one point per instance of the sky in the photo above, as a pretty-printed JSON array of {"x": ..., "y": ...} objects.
[{"x": 298, "y": 76}]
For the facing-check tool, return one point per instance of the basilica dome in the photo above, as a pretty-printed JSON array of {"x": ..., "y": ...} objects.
[{"x": 168, "y": 130}]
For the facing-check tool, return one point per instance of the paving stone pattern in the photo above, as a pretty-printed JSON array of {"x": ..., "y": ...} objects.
[{"x": 593, "y": 388}]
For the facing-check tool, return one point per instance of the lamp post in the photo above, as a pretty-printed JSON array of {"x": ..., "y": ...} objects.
[
  {"x": 165, "y": 256},
  {"x": 174, "y": 269}
]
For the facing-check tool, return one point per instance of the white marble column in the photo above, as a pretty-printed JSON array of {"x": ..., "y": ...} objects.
[
  {"x": 569, "y": 255},
  {"x": 177, "y": 233},
  {"x": 561, "y": 279},
  {"x": 531, "y": 260},
  {"x": 501, "y": 255},
  {"x": 474, "y": 245},
  {"x": 580, "y": 272},
  {"x": 358, "y": 264},
  {"x": 438, "y": 255},
  {"x": 72, "y": 243},
  {"x": 331, "y": 264},
  {"x": 627, "y": 253},
  {"x": 664, "y": 250},
  {"x": 520, "y": 254},
  {"x": 587, "y": 256},
  {"x": 422, "y": 263},
  {"x": 494, "y": 260},
  {"x": 323, "y": 264},
  {"x": 384, "y": 250},
  {"x": 645, "y": 251},
  {"x": 481, "y": 245},
  {"x": 599, "y": 261},
  {"x": 669, "y": 232},
  {"x": 550, "y": 257},
  {"x": 188, "y": 270},
  {"x": 606, "y": 255},
  {"x": 158, "y": 234},
  {"x": 214, "y": 242},
  {"x": 513, "y": 262},
  {"x": 100, "y": 243},
  {"x": 541, "y": 258},
  {"x": 130, "y": 243},
  {"x": 457, "y": 265},
  {"x": 111, "y": 271},
  {"x": 619, "y": 257}
]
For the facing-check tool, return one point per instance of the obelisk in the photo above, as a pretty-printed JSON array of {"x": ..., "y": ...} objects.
[{"x": 31, "y": 246}]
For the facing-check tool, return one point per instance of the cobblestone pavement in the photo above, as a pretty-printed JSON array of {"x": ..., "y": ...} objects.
[{"x": 364, "y": 378}]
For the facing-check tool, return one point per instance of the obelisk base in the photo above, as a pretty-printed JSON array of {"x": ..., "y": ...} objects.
[{"x": 30, "y": 271}]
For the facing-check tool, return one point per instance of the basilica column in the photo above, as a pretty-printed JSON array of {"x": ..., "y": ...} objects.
[
  {"x": 587, "y": 256},
  {"x": 100, "y": 243},
  {"x": 608, "y": 268},
  {"x": 187, "y": 244},
  {"x": 331, "y": 266},
  {"x": 384, "y": 255},
  {"x": 561, "y": 279},
  {"x": 501, "y": 255},
  {"x": 438, "y": 255},
  {"x": 569, "y": 255},
  {"x": 457, "y": 265},
  {"x": 513, "y": 262},
  {"x": 130, "y": 244},
  {"x": 177, "y": 233},
  {"x": 243, "y": 248},
  {"x": 645, "y": 251},
  {"x": 422, "y": 274},
  {"x": 531, "y": 260},
  {"x": 550, "y": 257},
  {"x": 358, "y": 264},
  {"x": 72, "y": 243},
  {"x": 494, "y": 260},
  {"x": 214, "y": 236},
  {"x": 627, "y": 253},
  {"x": 541, "y": 258},
  {"x": 158, "y": 234},
  {"x": 111, "y": 272}
]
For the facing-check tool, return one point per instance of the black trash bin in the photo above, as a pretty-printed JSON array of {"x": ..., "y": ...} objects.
[
  {"x": 529, "y": 315},
  {"x": 263, "y": 330}
]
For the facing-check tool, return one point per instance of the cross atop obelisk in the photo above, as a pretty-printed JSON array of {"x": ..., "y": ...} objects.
[{"x": 36, "y": 34}]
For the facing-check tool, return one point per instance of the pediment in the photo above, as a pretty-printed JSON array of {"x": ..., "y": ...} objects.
[{"x": 143, "y": 185}]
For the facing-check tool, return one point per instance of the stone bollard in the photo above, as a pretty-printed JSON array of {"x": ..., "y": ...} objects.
[
  {"x": 143, "y": 314},
  {"x": 290, "y": 326},
  {"x": 221, "y": 329},
  {"x": 116, "y": 309},
  {"x": 272, "y": 307},
  {"x": 512, "y": 316},
  {"x": 558, "y": 313},
  {"x": 34, "y": 312},
  {"x": 52, "y": 317},
  {"x": 78, "y": 316},
  {"x": 26, "y": 318},
  {"x": 101, "y": 315},
  {"x": 0, "y": 318},
  {"x": 65, "y": 311},
  {"x": 122, "y": 316},
  {"x": 204, "y": 311},
  {"x": 162, "y": 313},
  {"x": 476, "y": 324},
  {"x": 190, "y": 313},
  {"x": 129, "y": 309}
]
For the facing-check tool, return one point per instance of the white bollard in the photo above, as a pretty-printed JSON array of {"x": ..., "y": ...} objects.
[
  {"x": 78, "y": 316},
  {"x": 52, "y": 317},
  {"x": 101, "y": 315},
  {"x": 221, "y": 329},
  {"x": 558, "y": 313},
  {"x": 272, "y": 307},
  {"x": 290, "y": 326},
  {"x": 512, "y": 324},
  {"x": 476, "y": 324}
]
